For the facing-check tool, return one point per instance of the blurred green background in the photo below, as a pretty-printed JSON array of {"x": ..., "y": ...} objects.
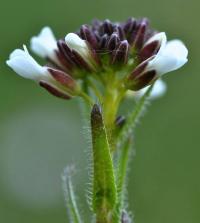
[{"x": 40, "y": 134}]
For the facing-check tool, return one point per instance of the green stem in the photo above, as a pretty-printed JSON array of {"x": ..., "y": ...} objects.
[
  {"x": 112, "y": 98},
  {"x": 95, "y": 90},
  {"x": 87, "y": 99}
]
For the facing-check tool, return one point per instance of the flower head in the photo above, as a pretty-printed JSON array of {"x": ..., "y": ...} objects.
[{"x": 121, "y": 56}]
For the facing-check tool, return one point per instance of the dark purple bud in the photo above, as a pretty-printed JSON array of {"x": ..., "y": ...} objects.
[
  {"x": 149, "y": 50},
  {"x": 53, "y": 90},
  {"x": 118, "y": 29},
  {"x": 140, "y": 34},
  {"x": 120, "y": 55},
  {"x": 63, "y": 61},
  {"x": 113, "y": 42},
  {"x": 141, "y": 77},
  {"x": 88, "y": 35},
  {"x": 107, "y": 27},
  {"x": 98, "y": 37},
  {"x": 80, "y": 62},
  {"x": 65, "y": 51},
  {"x": 138, "y": 70},
  {"x": 146, "y": 79},
  {"x": 63, "y": 78},
  {"x": 104, "y": 41},
  {"x": 129, "y": 26}
]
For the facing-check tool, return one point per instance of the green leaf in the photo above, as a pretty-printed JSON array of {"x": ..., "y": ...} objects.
[
  {"x": 132, "y": 119},
  {"x": 104, "y": 188},
  {"x": 70, "y": 196}
]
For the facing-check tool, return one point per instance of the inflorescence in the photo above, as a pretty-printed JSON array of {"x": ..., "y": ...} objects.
[{"x": 123, "y": 56}]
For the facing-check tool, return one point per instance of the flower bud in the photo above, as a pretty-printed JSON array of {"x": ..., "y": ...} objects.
[
  {"x": 113, "y": 42},
  {"x": 80, "y": 51},
  {"x": 152, "y": 46},
  {"x": 64, "y": 79},
  {"x": 118, "y": 29},
  {"x": 120, "y": 55},
  {"x": 140, "y": 34},
  {"x": 53, "y": 90},
  {"x": 141, "y": 77},
  {"x": 88, "y": 35},
  {"x": 129, "y": 26},
  {"x": 104, "y": 42},
  {"x": 107, "y": 27},
  {"x": 65, "y": 54}
]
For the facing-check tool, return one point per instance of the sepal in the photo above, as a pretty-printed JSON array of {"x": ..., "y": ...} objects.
[{"x": 52, "y": 89}]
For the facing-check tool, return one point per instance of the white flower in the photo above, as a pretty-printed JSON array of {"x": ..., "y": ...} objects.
[
  {"x": 24, "y": 65},
  {"x": 45, "y": 45},
  {"x": 74, "y": 42},
  {"x": 159, "y": 89},
  {"x": 171, "y": 56},
  {"x": 55, "y": 81}
]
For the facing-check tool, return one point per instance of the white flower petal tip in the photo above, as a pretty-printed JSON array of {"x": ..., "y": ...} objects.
[
  {"x": 171, "y": 56},
  {"x": 45, "y": 44},
  {"x": 180, "y": 52},
  {"x": 160, "y": 37},
  {"x": 158, "y": 90},
  {"x": 74, "y": 42},
  {"x": 24, "y": 65}
]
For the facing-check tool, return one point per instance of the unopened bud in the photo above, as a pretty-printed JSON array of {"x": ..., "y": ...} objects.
[
  {"x": 64, "y": 79},
  {"x": 107, "y": 27},
  {"x": 113, "y": 42},
  {"x": 140, "y": 34},
  {"x": 120, "y": 55},
  {"x": 54, "y": 90},
  {"x": 89, "y": 36}
]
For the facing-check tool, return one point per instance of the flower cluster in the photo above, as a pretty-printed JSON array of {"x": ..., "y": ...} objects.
[{"x": 129, "y": 54}]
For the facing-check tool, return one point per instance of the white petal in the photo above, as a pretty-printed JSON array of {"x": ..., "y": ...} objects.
[
  {"x": 45, "y": 44},
  {"x": 24, "y": 65},
  {"x": 17, "y": 52},
  {"x": 76, "y": 43},
  {"x": 171, "y": 57},
  {"x": 158, "y": 90},
  {"x": 178, "y": 50}
]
